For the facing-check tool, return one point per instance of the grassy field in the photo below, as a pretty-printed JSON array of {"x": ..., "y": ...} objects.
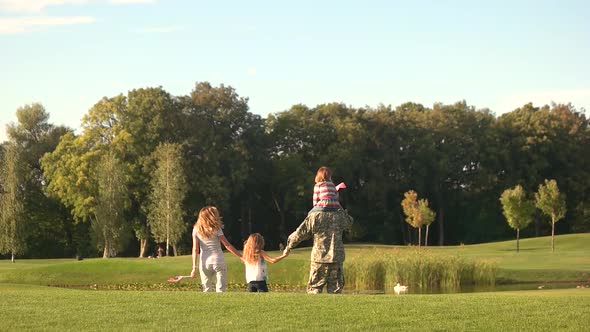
[
  {"x": 131, "y": 294},
  {"x": 535, "y": 263},
  {"x": 26, "y": 307}
]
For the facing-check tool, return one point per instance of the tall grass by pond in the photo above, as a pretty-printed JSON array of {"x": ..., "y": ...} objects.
[{"x": 421, "y": 269}]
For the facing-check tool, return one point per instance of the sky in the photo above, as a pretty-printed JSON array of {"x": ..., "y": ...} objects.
[{"x": 68, "y": 54}]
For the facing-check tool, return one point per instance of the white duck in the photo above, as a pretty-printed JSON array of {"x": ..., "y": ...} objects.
[{"x": 400, "y": 289}]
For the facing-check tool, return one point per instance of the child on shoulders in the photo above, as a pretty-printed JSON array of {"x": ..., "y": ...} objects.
[{"x": 325, "y": 193}]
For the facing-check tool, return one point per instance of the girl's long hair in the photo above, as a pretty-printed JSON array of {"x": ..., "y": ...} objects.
[
  {"x": 323, "y": 174},
  {"x": 252, "y": 248},
  {"x": 208, "y": 222}
]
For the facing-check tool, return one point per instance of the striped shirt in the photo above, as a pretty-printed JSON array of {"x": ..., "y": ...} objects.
[{"x": 325, "y": 195}]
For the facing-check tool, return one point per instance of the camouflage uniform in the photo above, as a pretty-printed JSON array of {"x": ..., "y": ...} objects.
[{"x": 327, "y": 255}]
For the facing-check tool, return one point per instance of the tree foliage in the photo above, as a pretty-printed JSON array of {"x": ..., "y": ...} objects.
[
  {"x": 12, "y": 216},
  {"x": 552, "y": 203},
  {"x": 259, "y": 172},
  {"x": 517, "y": 210},
  {"x": 168, "y": 190},
  {"x": 108, "y": 223}
]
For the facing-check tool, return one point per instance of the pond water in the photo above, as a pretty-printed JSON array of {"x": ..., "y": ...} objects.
[
  {"x": 474, "y": 289},
  {"x": 279, "y": 289}
]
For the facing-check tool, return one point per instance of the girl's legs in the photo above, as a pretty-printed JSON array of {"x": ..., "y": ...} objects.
[
  {"x": 207, "y": 272},
  {"x": 257, "y": 286},
  {"x": 220, "y": 272}
]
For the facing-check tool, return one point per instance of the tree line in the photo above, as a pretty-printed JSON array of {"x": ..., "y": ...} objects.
[{"x": 142, "y": 164}]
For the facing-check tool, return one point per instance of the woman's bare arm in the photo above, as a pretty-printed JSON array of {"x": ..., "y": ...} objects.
[{"x": 229, "y": 246}]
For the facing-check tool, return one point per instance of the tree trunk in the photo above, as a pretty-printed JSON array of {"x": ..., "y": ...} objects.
[
  {"x": 426, "y": 237},
  {"x": 107, "y": 249},
  {"x": 517, "y": 240},
  {"x": 142, "y": 247},
  {"x": 12, "y": 258},
  {"x": 174, "y": 250},
  {"x": 419, "y": 235},
  {"x": 552, "y": 234}
]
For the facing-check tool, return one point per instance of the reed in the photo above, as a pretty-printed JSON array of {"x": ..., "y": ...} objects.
[{"x": 422, "y": 270}]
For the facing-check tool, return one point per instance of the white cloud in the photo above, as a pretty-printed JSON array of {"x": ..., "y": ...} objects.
[
  {"x": 35, "y": 6},
  {"x": 12, "y": 25},
  {"x": 252, "y": 71}
]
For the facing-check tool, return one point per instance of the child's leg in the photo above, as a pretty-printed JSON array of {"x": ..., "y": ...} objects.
[
  {"x": 262, "y": 287},
  {"x": 207, "y": 274},
  {"x": 252, "y": 287},
  {"x": 220, "y": 273}
]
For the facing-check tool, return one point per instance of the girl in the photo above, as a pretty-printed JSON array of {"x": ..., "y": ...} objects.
[
  {"x": 255, "y": 259},
  {"x": 325, "y": 194},
  {"x": 207, "y": 239}
]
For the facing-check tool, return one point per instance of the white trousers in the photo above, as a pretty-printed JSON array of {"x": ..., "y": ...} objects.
[{"x": 209, "y": 272}]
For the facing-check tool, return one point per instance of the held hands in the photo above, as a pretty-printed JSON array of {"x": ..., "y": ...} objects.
[
  {"x": 193, "y": 272},
  {"x": 286, "y": 252}
]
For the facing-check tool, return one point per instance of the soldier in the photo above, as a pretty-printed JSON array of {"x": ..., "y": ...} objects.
[{"x": 327, "y": 255}]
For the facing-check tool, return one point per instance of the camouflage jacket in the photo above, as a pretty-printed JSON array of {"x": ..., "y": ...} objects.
[{"x": 326, "y": 228}]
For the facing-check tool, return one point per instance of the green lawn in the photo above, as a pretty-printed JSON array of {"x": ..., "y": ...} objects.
[
  {"x": 110, "y": 295},
  {"x": 535, "y": 263},
  {"x": 26, "y": 307}
]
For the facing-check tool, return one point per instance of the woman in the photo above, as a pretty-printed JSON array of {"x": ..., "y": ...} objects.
[{"x": 207, "y": 240}]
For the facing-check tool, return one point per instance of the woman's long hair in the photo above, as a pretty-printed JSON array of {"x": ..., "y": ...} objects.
[
  {"x": 252, "y": 248},
  {"x": 208, "y": 222}
]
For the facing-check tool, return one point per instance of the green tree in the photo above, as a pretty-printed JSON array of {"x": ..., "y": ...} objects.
[
  {"x": 35, "y": 136},
  {"x": 412, "y": 212},
  {"x": 517, "y": 210},
  {"x": 551, "y": 202},
  {"x": 12, "y": 218},
  {"x": 108, "y": 223},
  {"x": 150, "y": 118},
  {"x": 427, "y": 216},
  {"x": 168, "y": 190}
]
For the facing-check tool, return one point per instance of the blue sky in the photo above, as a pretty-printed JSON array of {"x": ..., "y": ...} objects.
[{"x": 67, "y": 54}]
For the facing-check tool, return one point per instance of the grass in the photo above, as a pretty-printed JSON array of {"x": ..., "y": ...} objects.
[
  {"x": 420, "y": 269},
  {"x": 28, "y": 304},
  {"x": 26, "y": 307},
  {"x": 535, "y": 263}
]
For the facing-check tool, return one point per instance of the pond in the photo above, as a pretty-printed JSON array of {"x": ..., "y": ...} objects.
[
  {"x": 480, "y": 288},
  {"x": 289, "y": 289}
]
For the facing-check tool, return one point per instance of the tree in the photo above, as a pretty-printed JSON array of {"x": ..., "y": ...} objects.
[
  {"x": 168, "y": 190},
  {"x": 551, "y": 202},
  {"x": 12, "y": 219},
  {"x": 108, "y": 223},
  {"x": 427, "y": 216},
  {"x": 517, "y": 210},
  {"x": 413, "y": 217},
  {"x": 51, "y": 235}
]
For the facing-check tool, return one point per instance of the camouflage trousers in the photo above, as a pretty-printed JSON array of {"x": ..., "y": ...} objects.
[{"x": 328, "y": 274}]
